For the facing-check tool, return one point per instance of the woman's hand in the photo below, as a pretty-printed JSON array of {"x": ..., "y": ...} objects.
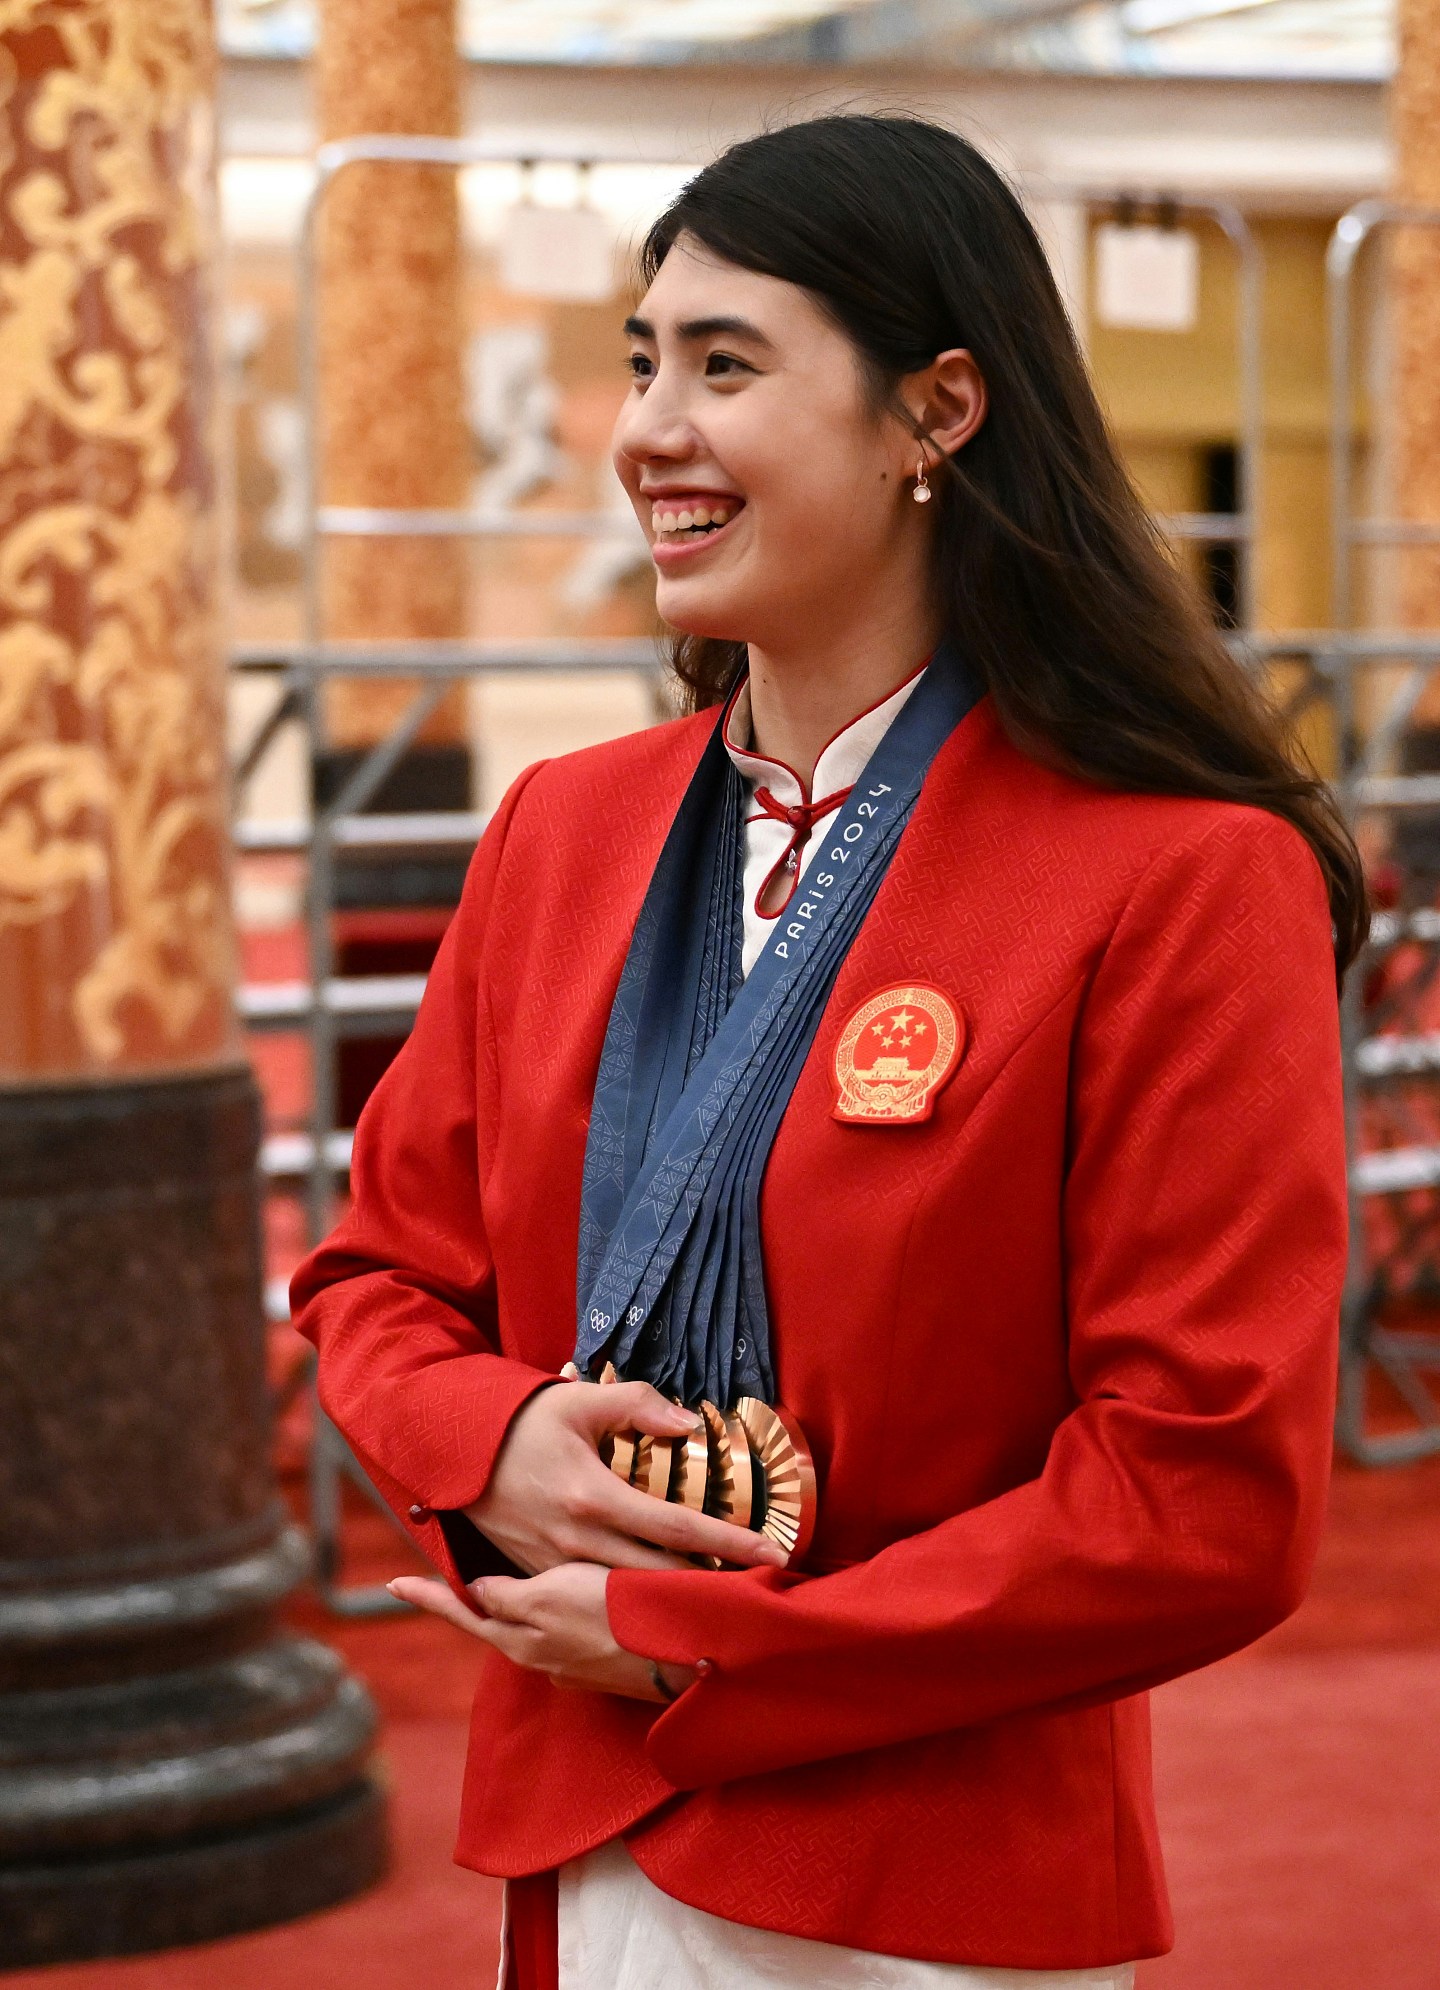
[
  {"x": 554, "y": 1623},
  {"x": 551, "y": 1499}
]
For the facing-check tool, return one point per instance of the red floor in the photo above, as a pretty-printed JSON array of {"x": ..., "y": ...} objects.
[
  {"x": 1299, "y": 1783},
  {"x": 1299, "y": 1791}
]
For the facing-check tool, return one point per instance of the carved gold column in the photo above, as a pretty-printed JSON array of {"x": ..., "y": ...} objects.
[
  {"x": 392, "y": 395},
  {"x": 170, "y": 1766},
  {"x": 115, "y": 944},
  {"x": 1415, "y": 299}
]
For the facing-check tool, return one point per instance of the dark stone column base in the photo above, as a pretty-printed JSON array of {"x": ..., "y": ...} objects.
[
  {"x": 163, "y": 1898},
  {"x": 172, "y": 1768}
]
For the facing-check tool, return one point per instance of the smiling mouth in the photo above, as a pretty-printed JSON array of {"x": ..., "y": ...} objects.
[{"x": 676, "y": 524}]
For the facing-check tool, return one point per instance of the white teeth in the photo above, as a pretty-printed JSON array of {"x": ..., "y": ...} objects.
[{"x": 696, "y": 516}]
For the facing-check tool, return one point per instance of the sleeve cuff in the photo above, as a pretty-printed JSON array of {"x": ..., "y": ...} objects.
[
  {"x": 428, "y": 1489},
  {"x": 455, "y": 1416},
  {"x": 704, "y": 1620},
  {"x": 664, "y": 1614}
]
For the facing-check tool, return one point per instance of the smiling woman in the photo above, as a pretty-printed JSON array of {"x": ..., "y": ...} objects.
[
  {"x": 843, "y": 1279},
  {"x": 750, "y": 394}
]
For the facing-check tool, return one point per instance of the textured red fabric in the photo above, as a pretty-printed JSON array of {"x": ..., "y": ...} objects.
[
  {"x": 532, "y": 1959},
  {"x": 1064, "y": 1351}
]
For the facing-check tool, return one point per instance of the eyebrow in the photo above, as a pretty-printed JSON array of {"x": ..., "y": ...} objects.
[{"x": 702, "y": 328}]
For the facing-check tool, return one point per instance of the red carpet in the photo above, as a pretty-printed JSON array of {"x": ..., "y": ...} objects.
[
  {"x": 1299, "y": 1789},
  {"x": 1299, "y": 1783},
  {"x": 1301, "y": 1815}
]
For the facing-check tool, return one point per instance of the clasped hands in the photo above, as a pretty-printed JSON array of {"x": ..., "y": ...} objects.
[{"x": 555, "y": 1509}]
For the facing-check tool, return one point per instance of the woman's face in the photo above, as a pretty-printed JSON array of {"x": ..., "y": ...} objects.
[{"x": 773, "y": 494}]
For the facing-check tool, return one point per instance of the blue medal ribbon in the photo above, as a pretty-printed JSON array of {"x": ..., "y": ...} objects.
[{"x": 698, "y": 1065}]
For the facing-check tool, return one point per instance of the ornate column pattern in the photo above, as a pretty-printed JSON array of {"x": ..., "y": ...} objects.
[
  {"x": 170, "y": 1767},
  {"x": 115, "y": 940},
  {"x": 1415, "y": 299},
  {"x": 392, "y": 391}
]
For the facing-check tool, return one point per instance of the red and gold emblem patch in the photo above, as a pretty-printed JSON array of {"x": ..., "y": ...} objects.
[{"x": 895, "y": 1053}]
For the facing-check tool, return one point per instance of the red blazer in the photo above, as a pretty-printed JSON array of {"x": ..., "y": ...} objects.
[{"x": 1064, "y": 1351}]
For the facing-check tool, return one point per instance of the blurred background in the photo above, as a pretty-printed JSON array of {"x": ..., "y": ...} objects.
[{"x": 309, "y": 354}]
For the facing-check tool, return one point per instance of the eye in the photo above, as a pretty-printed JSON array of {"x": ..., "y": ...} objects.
[
  {"x": 641, "y": 366},
  {"x": 720, "y": 365}
]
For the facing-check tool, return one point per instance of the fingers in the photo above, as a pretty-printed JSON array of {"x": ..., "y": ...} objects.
[
  {"x": 555, "y": 1624},
  {"x": 611, "y": 1547},
  {"x": 504, "y": 1598},
  {"x": 623, "y": 1551},
  {"x": 685, "y": 1532},
  {"x": 423, "y": 1593},
  {"x": 514, "y": 1638},
  {"x": 636, "y": 1406}
]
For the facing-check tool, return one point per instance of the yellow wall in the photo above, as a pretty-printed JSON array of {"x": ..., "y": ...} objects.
[{"x": 1171, "y": 395}]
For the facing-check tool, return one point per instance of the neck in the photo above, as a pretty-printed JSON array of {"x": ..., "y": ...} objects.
[{"x": 803, "y": 692}]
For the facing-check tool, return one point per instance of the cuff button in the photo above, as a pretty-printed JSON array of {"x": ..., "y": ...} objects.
[{"x": 418, "y": 1513}]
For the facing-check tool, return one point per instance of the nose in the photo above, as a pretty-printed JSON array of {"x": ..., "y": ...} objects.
[{"x": 653, "y": 427}]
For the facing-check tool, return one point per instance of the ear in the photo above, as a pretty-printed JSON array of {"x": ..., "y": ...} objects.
[{"x": 947, "y": 400}]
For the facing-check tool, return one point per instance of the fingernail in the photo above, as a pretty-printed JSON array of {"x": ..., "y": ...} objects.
[{"x": 392, "y": 1589}]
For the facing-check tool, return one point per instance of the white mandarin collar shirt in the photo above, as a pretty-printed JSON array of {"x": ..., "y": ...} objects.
[{"x": 769, "y": 838}]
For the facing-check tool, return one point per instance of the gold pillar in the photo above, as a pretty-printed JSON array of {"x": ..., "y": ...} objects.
[
  {"x": 1415, "y": 300},
  {"x": 144, "y": 1544},
  {"x": 392, "y": 396},
  {"x": 116, "y": 947}
]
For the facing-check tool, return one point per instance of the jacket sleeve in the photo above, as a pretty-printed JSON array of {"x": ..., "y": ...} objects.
[
  {"x": 400, "y": 1300},
  {"x": 1178, "y": 1512}
]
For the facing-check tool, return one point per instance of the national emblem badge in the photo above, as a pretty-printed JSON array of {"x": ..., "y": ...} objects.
[{"x": 895, "y": 1053}]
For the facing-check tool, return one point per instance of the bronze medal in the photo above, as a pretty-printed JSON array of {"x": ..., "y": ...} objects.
[
  {"x": 751, "y": 1467},
  {"x": 622, "y": 1456},
  {"x": 728, "y": 1494},
  {"x": 742, "y": 1474},
  {"x": 690, "y": 1472},
  {"x": 783, "y": 1457},
  {"x": 652, "y": 1475}
]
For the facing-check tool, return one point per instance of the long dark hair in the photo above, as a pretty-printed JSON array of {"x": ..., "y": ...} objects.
[{"x": 1053, "y": 579}]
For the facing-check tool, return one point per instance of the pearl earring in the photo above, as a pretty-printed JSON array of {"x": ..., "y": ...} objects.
[{"x": 921, "y": 492}]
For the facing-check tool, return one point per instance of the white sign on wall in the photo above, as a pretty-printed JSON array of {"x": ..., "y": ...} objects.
[
  {"x": 1146, "y": 278},
  {"x": 567, "y": 253}
]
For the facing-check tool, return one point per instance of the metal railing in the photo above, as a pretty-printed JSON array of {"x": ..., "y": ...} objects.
[
  {"x": 1387, "y": 1042},
  {"x": 1350, "y": 531},
  {"x": 326, "y": 1007}
]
